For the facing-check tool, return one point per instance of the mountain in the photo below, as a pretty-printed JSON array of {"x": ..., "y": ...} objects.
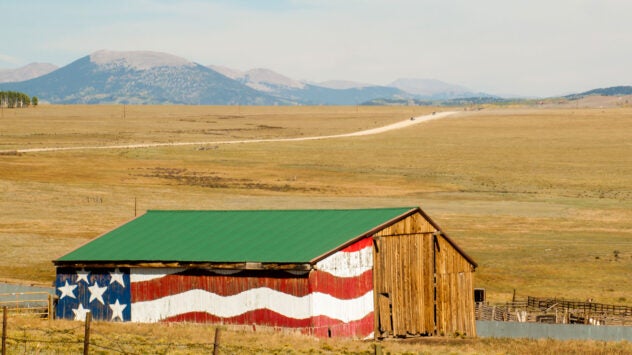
[
  {"x": 143, "y": 77},
  {"x": 610, "y": 91},
  {"x": 433, "y": 89},
  {"x": 262, "y": 79},
  {"x": 318, "y": 95},
  {"x": 139, "y": 77},
  {"x": 26, "y": 72},
  {"x": 281, "y": 86},
  {"x": 342, "y": 84}
]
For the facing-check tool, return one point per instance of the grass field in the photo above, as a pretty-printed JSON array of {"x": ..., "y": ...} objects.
[
  {"x": 26, "y": 336},
  {"x": 540, "y": 198}
]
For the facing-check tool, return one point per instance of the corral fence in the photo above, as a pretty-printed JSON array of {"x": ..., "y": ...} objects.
[
  {"x": 555, "y": 311},
  {"x": 32, "y": 303}
]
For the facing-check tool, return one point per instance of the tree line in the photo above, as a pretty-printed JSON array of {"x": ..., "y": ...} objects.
[{"x": 16, "y": 99}]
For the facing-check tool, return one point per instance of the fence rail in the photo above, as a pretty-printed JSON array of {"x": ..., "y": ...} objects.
[
  {"x": 39, "y": 303},
  {"x": 559, "y": 311}
]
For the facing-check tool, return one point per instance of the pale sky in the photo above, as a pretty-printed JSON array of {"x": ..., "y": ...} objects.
[{"x": 518, "y": 47}]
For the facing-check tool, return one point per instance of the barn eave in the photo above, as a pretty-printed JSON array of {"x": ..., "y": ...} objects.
[{"x": 188, "y": 265}]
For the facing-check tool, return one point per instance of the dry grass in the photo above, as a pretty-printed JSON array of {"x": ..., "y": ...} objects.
[
  {"x": 540, "y": 198},
  {"x": 28, "y": 335}
]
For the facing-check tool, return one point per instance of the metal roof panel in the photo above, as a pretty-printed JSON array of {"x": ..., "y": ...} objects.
[{"x": 266, "y": 236}]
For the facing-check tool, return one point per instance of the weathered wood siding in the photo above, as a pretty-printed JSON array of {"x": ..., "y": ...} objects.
[
  {"x": 403, "y": 267},
  {"x": 455, "y": 291},
  {"x": 404, "y": 282}
]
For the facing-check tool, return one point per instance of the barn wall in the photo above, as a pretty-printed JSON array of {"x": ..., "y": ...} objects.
[
  {"x": 405, "y": 283},
  {"x": 103, "y": 292},
  {"x": 344, "y": 283},
  {"x": 335, "y": 299},
  {"x": 271, "y": 298},
  {"x": 404, "y": 292},
  {"x": 455, "y": 291}
]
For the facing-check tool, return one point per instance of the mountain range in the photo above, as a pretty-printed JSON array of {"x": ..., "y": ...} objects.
[
  {"x": 144, "y": 77},
  {"x": 26, "y": 72}
]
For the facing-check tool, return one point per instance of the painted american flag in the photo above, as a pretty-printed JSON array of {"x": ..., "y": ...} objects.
[
  {"x": 103, "y": 292},
  {"x": 336, "y": 297}
]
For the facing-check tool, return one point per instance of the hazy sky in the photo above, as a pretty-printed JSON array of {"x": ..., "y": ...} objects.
[{"x": 524, "y": 47}]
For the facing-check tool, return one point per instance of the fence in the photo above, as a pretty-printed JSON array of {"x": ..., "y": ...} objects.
[
  {"x": 547, "y": 310},
  {"x": 74, "y": 339},
  {"x": 585, "y": 307},
  {"x": 38, "y": 303}
]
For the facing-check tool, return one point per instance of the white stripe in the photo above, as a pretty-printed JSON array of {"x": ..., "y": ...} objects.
[
  {"x": 145, "y": 274},
  {"x": 348, "y": 264},
  {"x": 259, "y": 298}
]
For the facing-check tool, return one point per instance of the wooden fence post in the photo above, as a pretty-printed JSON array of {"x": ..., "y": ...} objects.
[
  {"x": 86, "y": 336},
  {"x": 4, "y": 330},
  {"x": 216, "y": 342},
  {"x": 50, "y": 306}
]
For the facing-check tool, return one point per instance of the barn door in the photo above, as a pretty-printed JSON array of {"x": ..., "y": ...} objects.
[
  {"x": 403, "y": 285},
  {"x": 385, "y": 312}
]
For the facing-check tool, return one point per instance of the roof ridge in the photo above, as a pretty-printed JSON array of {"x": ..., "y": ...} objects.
[{"x": 288, "y": 210}]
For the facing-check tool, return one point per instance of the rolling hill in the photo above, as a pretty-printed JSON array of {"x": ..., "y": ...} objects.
[{"x": 610, "y": 91}]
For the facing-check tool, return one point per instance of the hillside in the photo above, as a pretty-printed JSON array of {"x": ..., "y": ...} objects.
[{"x": 610, "y": 91}]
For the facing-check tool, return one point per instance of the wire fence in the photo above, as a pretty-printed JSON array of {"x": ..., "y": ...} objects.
[{"x": 86, "y": 338}]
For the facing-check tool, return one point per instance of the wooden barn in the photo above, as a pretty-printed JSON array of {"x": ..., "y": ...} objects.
[{"x": 388, "y": 272}]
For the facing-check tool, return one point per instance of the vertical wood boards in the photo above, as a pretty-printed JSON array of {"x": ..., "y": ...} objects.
[
  {"x": 455, "y": 290},
  {"x": 404, "y": 267}
]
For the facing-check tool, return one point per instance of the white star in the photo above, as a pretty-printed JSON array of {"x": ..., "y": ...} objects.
[
  {"x": 117, "y": 276},
  {"x": 117, "y": 310},
  {"x": 67, "y": 290},
  {"x": 83, "y": 275},
  {"x": 80, "y": 313},
  {"x": 96, "y": 292}
]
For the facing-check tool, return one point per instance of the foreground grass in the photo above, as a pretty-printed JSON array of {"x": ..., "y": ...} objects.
[
  {"x": 28, "y": 335},
  {"x": 541, "y": 199}
]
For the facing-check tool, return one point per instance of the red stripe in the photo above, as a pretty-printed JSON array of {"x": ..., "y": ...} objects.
[
  {"x": 359, "y": 245},
  {"x": 222, "y": 285},
  {"x": 344, "y": 288},
  {"x": 319, "y": 326}
]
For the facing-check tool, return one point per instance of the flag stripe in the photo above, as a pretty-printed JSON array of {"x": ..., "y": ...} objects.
[
  {"x": 341, "y": 288},
  {"x": 360, "y": 328},
  {"x": 361, "y": 244},
  {"x": 348, "y": 264},
  {"x": 250, "y": 300}
]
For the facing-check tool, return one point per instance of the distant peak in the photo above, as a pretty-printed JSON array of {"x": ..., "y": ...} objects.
[
  {"x": 261, "y": 78},
  {"x": 139, "y": 60}
]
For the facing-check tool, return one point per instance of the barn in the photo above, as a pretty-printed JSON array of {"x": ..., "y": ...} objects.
[{"x": 382, "y": 272}]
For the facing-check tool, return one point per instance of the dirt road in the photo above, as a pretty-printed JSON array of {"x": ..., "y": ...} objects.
[{"x": 398, "y": 125}]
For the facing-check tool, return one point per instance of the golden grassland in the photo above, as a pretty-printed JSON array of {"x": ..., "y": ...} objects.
[
  {"x": 30, "y": 336},
  {"x": 540, "y": 198}
]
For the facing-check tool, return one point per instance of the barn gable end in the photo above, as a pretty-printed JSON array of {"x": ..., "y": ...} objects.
[{"x": 351, "y": 273}]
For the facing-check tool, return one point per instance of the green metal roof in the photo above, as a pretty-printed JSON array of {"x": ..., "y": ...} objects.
[{"x": 270, "y": 236}]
